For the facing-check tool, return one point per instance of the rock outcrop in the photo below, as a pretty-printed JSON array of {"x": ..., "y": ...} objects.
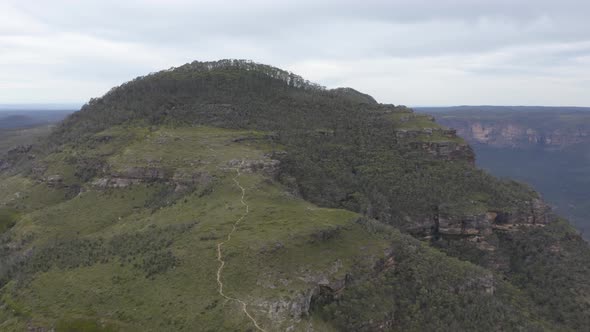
[
  {"x": 447, "y": 150},
  {"x": 135, "y": 175},
  {"x": 479, "y": 230},
  {"x": 269, "y": 167},
  {"x": 533, "y": 213},
  {"x": 440, "y": 142},
  {"x": 15, "y": 154}
]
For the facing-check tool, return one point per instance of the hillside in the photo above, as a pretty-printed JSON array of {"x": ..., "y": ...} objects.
[{"x": 231, "y": 195}]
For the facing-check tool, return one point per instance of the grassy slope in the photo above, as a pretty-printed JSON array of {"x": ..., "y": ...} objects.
[
  {"x": 187, "y": 294},
  {"x": 136, "y": 259}
]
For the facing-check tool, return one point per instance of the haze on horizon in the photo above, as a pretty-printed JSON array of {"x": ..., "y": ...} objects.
[{"x": 419, "y": 52}]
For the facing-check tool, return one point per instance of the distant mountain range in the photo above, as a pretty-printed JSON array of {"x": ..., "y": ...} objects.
[
  {"x": 504, "y": 109},
  {"x": 29, "y": 118},
  {"x": 40, "y": 107}
]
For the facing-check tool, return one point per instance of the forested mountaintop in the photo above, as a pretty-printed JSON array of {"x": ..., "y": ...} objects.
[
  {"x": 231, "y": 195},
  {"x": 234, "y": 93}
]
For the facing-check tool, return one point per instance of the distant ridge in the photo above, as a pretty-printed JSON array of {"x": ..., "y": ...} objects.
[
  {"x": 26, "y": 118},
  {"x": 483, "y": 108},
  {"x": 40, "y": 107}
]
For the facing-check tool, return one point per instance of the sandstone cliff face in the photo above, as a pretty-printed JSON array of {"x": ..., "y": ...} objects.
[
  {"x": 134, "y": 175},
  {"x": 518, "y": 134},
  {"x": 181, "y": 178},
  {"x": 480, "y": 231},
  {"x": 534, "y": 213}
]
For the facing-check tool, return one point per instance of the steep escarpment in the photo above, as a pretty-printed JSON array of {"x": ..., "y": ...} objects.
[
  {"x": 553, "y": 128},
  {"x": 361, "y": 216},
  {"x": 520, "y": 135}
]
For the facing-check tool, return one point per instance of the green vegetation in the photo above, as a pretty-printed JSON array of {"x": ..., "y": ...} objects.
[
  {"x": 101, "y": 254},
  {"x": 342, "y": 152},
  {"x": 82, "y": 324},
  {"x": 538, "y": 259},
  {"x": 8, "y": 218},
  {"x": 115, "y": 222},
  {"x": 413, "y": 121},
  {"x": 420, "y": 288}
]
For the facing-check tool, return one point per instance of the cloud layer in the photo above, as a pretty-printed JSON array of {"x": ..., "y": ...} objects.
[{"x": 443, "y": 52}]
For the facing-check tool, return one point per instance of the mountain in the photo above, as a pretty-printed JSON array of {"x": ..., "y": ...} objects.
[
  {"x": 232, "y": 195},
  {"x": 533, "y": 145}
]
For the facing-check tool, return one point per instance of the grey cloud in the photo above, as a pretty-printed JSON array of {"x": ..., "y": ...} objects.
[
  {"x": 476, "y": 44},
  {"x": 163, "y": 21}
]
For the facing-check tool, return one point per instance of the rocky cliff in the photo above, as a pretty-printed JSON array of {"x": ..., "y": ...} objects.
[
  {"x": 551, "y": 130},
  {"x": 517, "y": 135}
]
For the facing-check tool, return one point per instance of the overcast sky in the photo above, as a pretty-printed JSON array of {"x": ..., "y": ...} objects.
[{"x": 414, "y": 52}]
